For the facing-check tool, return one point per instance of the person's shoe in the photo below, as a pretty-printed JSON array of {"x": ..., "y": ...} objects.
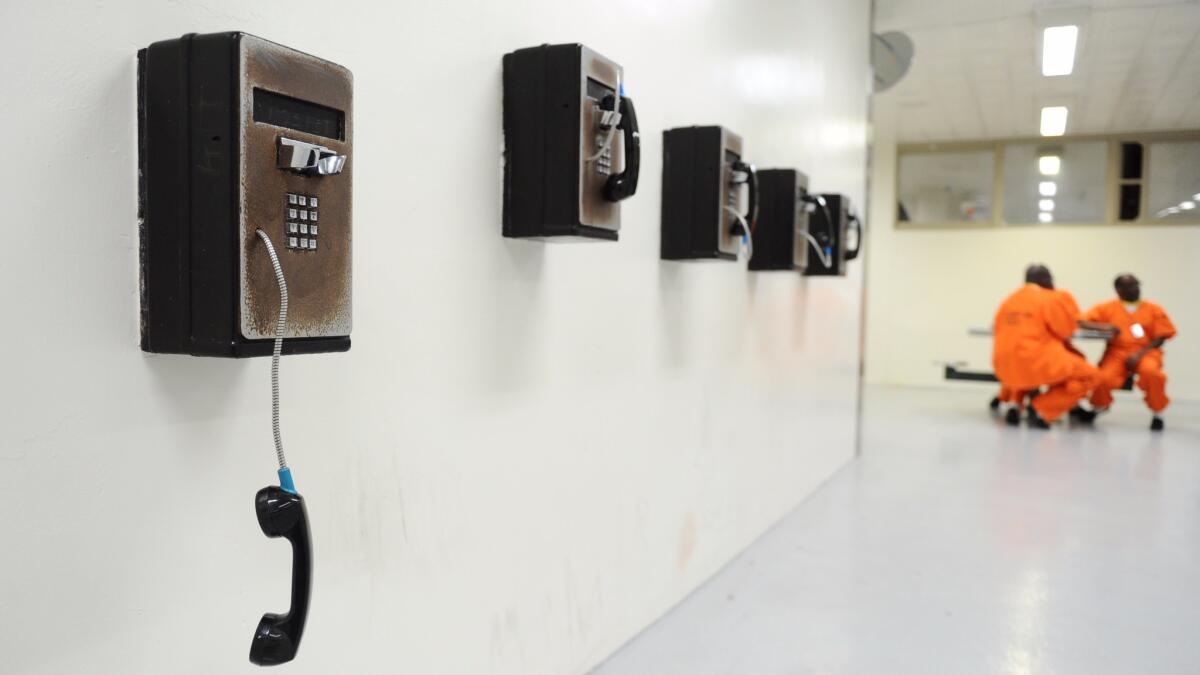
[
  {"x": 1036, "y": 421},
  {"x": 1012, "y": 417},
  {"x": 994, "y": 404},
  {"x": 1083, "y": 415},
  {"x": 1156, "y": 424}
]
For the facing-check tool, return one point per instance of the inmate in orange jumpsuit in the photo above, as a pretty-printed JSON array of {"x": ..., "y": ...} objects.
[
  {"x": 1030, "y": 349},
  {"x": 1017, "y": 397},
  {"x": 1009, "y": 395},
  {"x": 1154, "y": 324}
]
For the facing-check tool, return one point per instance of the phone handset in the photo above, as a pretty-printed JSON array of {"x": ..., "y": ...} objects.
[
  {"x": 281, "y": 513},
  {"x": 858, "y": 232},
  {"x": 751, "y": 179},
  {"x": 623, "y": 185}
]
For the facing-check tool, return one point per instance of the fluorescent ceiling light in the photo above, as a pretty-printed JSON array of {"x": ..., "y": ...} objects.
[
  {"x": 1054, "y": 120},
  {"x": 1196, "y": 196},
  {"x": 1047, "y": 188},
  {"x": 1049, "y": 165},
  {"x": 1058, "y": 50},
  {"x": 1046, "y": 204},
  {"x": 1044, "y": 217},
  {"x": 1187, "y": 206}
]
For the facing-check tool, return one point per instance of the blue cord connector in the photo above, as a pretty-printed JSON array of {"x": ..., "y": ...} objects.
[{"x": 285, "y": 480}]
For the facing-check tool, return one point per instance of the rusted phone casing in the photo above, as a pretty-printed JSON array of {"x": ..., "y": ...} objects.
[
  {"x": 779, "y": 235},
  {"x": 553, "y": 188},
  {"x": 698, "y": 186},
  {"x": 831, "y": 236},
  {"x": 208, "y": 151}
]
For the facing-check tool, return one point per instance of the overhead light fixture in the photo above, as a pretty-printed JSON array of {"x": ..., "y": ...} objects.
[
  {"x": 1054, "y": 120},
  {"x": 1196, "y": 196},
  {"x": 1049, "y": 164},
  {"x": 1047, "y": 188},
  {"x": 1187, "y": 206},
  {"x": 1044, "y": 217},
  {"x": 1046, "y": 204},
  {"x": 1058, "y": 50}
]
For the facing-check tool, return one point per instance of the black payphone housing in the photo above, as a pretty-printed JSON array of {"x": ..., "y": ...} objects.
[
  {"x": 571, "y": 147},
  {"x": 780, "y": 234},
  {"x": 832, "y": 237},
  {"x": 703, "y": 171},
  {"x": 238, "y": 134}
]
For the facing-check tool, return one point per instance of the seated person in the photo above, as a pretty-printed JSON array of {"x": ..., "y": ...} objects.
[
  {"x": 1136, "y": 348},
  {"x": 1014, "y": 400}
]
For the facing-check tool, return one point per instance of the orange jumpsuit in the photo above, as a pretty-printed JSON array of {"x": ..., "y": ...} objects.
[
  {"x": 1009, "y": 395},
  {"x": 1030, "y": 349},
  {"x": 1154, "y": 324},
  {"x": 1017, "y": 397}
]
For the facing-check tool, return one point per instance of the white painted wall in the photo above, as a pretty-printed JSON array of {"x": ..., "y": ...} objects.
[
  {"x": 530, "y": 453},
  {"x": 928, "y": 286}
]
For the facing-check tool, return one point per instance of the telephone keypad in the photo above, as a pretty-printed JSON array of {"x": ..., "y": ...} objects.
[
  {"x": 297, "y": 221},
  {"x": 604, "y": 161}
]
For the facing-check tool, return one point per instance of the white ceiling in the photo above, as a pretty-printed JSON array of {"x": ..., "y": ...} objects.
[{"x": 977, "y": 71}]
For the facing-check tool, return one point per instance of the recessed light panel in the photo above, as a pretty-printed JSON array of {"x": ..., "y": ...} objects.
[
  {"x": 1054, "y": 120},
  {"x": 1058, "y": 50}
]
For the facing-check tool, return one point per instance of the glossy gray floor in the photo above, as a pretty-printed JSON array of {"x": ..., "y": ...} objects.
[{"x": 957, "y": 545}]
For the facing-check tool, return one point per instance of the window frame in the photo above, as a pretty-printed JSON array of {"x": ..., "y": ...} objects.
[{"x": 997, "y": 147}]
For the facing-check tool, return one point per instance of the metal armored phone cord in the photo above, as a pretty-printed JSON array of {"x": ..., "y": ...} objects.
[
  {"x": 747, "y": 235},
  {"x": 285, "y": 474}
]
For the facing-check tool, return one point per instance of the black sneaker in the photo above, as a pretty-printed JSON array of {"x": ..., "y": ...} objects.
[
  {"x": 1082, "y": 415},
  {"x": 1156, "y": 424},
  {"x": 1012, "y": 417},
  {"x": 994, "y": 403},
  {"x": 1036, "y": 421}
]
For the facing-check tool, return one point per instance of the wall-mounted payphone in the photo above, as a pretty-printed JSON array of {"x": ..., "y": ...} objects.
[
  {"x": 830, "y": 219},
  {"x": 244, "y": 202},
  {"x": 703, "y": 177},
  {"x": 239, "y": 134},
  {"x": 781, "y": 232},
  {"x": 571, "y": 145}
]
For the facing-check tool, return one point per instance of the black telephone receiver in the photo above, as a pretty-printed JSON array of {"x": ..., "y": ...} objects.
[
  {"x": 281, "y": 514},
  {"x": 752, "y": 180},
  {"x": 852, "y": 254},
  {"x": 623, "y": 185}
]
